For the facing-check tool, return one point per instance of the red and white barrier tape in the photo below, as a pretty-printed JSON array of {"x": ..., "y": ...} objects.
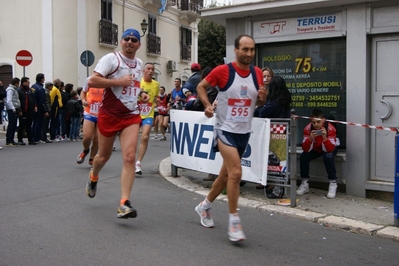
[{"x": 394, "y": 129}]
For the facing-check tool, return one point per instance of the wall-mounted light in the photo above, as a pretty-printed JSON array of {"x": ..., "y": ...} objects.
[{"x": 144, "y": 26}]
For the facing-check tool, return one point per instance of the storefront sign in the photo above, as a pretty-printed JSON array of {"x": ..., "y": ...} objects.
[
  {"x": 315, "y": 74},
  {"x": 299, "y": 25}
]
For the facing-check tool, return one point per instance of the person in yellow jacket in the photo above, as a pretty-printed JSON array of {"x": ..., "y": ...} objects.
[
  {"x": 56, "y": 102},
  {"x": 151, "y": 87}
]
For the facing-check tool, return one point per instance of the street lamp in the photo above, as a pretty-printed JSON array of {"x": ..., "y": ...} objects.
[{"x": 144, "y": 26}]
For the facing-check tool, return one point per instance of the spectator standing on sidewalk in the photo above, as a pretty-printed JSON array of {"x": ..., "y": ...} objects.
[
  {"x": 74, "y": 109},
  {"x": 62, "y": 111},
  {"x": 319, "y": 139},
  {"x": 13, "y": 106},
  {"x": 151, "y": 87},
  {"x": 240, "y": 83},
  {"x": 40, "y": 100},
  {"x": 27, "y": 112},
  {"x": 65, "y": 122},
  {"x": 120, "y": 73},
  {"x": 46, "y": 123},
  {"x": 56, "y": 104}
]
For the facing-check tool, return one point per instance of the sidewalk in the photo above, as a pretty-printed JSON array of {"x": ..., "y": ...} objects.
[{"x": 356, "y": 215}]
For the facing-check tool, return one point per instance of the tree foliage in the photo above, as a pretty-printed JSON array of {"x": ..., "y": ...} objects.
[{"x": 211, "y": 43}]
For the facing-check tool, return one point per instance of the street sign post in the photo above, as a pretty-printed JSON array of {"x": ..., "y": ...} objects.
[
  {"x": 87, "y": 59},
  {"x": 24, "y": 58}
]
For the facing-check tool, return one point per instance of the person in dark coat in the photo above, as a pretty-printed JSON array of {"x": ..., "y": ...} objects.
[{"x": 27, "y": 111}]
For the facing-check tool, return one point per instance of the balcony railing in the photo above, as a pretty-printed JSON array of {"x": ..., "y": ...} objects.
[
  {"x": 153, "y": 44},
  {"x": 185, "y": 53},
  {"x": 190, "y": 5},
  {"x": 108, "y": 33}
]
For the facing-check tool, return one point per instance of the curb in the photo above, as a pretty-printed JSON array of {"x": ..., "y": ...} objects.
[{"x": 350, "y": 225}]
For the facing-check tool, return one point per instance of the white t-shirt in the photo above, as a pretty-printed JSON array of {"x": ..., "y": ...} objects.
[{"x": 120, "y": 101}]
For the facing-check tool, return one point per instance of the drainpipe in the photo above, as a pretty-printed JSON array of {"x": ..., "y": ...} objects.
[{"x": 123, "y": 16}]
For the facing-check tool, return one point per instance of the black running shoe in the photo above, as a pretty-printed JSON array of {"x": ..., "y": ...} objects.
[
  {"x": 126, "y": 211},
  {"x": 91, "y": 189}
]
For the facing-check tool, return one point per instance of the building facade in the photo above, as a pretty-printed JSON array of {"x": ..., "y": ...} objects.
[
  {"x": 57, "y": 33},
  {"x": 338, "y": 56}
]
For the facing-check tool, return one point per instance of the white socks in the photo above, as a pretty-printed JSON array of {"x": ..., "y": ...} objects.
[
  {"x": 206, "y": 204},
  {"x": 234, "y": 218}
]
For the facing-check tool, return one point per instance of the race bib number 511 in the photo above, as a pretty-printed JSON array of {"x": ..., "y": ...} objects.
[{"x": 238, "y": 110}]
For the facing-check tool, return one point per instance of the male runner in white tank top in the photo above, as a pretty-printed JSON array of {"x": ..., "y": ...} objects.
[
  {"x": 120, "y": 74},
  {"x": 240, "y": 89}
]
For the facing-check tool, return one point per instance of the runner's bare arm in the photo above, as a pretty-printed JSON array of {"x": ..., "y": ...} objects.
[{"x": 98, "y": 81}]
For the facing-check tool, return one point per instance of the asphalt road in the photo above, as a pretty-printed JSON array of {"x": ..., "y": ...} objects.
[{"x": 47, "y": 219}]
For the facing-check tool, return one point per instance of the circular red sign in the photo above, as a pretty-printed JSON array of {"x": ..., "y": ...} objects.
[{"x": 24, "y": 58}]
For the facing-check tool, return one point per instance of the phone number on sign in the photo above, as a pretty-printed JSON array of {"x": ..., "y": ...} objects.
[
  {"x": 324, "y": 98},
  {"x": 322, "y": 104}
]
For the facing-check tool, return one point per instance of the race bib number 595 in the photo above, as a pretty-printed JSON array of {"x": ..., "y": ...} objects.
[{"x": 238, "y": 110}]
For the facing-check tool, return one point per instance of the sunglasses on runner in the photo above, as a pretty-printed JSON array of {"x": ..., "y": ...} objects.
[{"x": 127, "y": 39}]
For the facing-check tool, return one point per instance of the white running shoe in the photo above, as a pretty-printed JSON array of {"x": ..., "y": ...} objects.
[
  {"x": 332, "y": 190},
  {"x": 235, "y": 232},
  {"x": 138, "y": 169},
  {"x": 205, "y": 215},
  {"x": 303, "y": 189}
]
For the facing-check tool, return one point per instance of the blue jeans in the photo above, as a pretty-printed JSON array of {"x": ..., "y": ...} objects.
[
  {"x": 328, "y": 160},
  {"x": 12, "y": 126},
  {"x": 75, "y": 125},
  {"x": 37, "y": 127}
]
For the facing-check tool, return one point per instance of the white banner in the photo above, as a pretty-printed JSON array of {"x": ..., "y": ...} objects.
[{"x": 191, "y": 145}]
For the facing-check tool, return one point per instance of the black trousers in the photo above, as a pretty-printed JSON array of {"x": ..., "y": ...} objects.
[
  {"x": 12, "y": 126},
  {"x": 25, "y": 125}
]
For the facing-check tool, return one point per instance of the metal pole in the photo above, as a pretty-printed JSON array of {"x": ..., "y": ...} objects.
[
  {"x": 87, "y": 63},
  {"x": 293, "y": 161},
  {"x": 396, "y": 191},
  {"x": 24, "y": 71},
  {"x": 174, "y": 171}
]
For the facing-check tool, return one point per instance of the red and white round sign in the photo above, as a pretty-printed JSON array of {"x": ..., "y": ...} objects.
[{"x": 24, "y": 58}]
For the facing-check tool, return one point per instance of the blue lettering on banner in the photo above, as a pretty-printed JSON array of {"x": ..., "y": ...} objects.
[
  {"x": 316, "y": 21},
  {"x": 247, "y": 151},
  {"x": 245, "y": 163},
  {"x": 247, "y": 154},
  {"x": 182, "y": 136}
]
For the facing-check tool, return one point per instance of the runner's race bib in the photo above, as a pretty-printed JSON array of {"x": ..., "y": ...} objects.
[{"x": 238, "y": 110}]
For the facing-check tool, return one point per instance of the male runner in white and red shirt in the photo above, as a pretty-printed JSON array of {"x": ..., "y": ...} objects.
[{"x": 120, "y": 74}]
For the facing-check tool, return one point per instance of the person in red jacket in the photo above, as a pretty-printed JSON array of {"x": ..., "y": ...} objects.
[{"x": 319, "y": 139}]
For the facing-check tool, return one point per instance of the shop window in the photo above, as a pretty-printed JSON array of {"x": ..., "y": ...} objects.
[{"x": 315, "y": 74}]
